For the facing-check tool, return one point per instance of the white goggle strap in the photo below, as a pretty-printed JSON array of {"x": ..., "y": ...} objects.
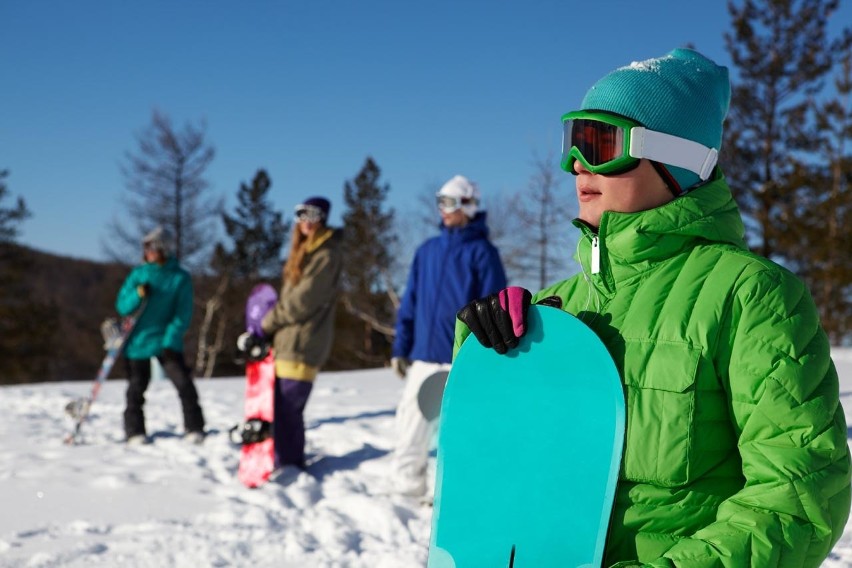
[
  {"x": 312, "y": 211},
  {"x": 673, "y": 151}
]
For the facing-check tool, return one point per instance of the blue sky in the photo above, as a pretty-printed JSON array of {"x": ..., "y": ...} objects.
[{"x": 307, "y": 90}]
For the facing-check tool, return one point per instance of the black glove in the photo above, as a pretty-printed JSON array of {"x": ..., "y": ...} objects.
[{"x": 499, "y": 321}]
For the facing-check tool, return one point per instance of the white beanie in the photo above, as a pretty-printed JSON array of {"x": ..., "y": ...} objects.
[{"x": 462, "y": 188}]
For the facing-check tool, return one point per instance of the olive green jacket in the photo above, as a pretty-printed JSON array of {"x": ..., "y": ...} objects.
[
  {"x": 735, "y": 452},
  {"x": 302, "y": 320}
]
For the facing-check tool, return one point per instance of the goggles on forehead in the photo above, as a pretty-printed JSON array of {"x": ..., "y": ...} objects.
[
  {"x": 309, "y": 213},
  {"x": 449, "y": 203},
  {"x": 610, "y": 144}
]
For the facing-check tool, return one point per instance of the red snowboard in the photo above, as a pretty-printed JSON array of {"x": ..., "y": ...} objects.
[{"x": 257, "y": 459}]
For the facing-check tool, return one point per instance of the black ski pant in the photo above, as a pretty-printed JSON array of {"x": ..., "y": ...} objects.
[{"x": 138, "y": 378}]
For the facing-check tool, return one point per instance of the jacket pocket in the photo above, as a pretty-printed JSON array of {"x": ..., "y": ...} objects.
[{"x": 660, "y": 381}]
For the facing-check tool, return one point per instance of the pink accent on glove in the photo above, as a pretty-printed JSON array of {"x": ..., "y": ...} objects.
[{"x": 512, "y": 301}]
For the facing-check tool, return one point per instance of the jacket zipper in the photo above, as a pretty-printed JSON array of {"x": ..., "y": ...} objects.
[{"x": 596, "y": 255}]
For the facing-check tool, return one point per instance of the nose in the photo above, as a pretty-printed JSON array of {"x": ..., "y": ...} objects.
[{"x": 579, "y": 168}]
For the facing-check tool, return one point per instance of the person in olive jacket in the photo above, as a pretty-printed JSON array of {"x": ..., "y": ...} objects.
[
  {"x": 166, "y": 289},
  {"x": 302, "y": 323},
  {"x": 735, "y": 451}
]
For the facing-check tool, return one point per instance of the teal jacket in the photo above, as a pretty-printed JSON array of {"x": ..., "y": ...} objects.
[
  {"x": 168, "y": 308},
  {"x": 735, "y": 452}
]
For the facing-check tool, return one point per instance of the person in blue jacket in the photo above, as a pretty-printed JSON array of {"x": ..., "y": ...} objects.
[
  {"x": 166, "y": 289},
  {"x": 448, "y": 271}
]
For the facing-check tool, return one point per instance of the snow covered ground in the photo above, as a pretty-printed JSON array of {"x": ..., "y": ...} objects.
[{"x": 173, "y": 504}]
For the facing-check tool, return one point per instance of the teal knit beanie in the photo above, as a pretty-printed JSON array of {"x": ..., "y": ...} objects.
[{"x": 683, "y": 94}]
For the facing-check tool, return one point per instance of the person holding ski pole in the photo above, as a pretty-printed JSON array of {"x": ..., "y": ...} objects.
[
  {"x": 302, "y": 323},
  {"x": 448, "y": 271},
  {"x": 166, "y": 289},
  {"x": 735, "y": 452}
]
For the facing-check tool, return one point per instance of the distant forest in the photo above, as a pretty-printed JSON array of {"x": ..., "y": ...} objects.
[
  {"x": 53, "y": 332},
  {"x": 786, "y": 155},
  {"x": 60, "y": 303}
]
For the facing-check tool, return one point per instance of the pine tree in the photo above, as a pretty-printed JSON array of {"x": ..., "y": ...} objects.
[
  {"x": 783, "y": 152},
  {"x": 26, "y": 324},
  {"x": 10, "y": 217},
  {"x": 367, "y": 290},
  {"x": 257, "y": 232},
  {"x": 782, "y": 55},
  {"x": 820, "y": 241}
]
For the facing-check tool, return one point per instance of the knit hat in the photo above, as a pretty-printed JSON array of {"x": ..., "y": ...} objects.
[
  {"x": 683, "y": 94},
  {"x": 462, "y": 188},
  {"x": 321, "y": 204}
]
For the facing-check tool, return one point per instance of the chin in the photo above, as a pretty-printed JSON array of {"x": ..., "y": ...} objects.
[{"x": 592, "y": 220}]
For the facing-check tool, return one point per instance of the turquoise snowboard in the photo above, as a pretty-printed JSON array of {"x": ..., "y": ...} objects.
[{"x": 529, "y": 449}]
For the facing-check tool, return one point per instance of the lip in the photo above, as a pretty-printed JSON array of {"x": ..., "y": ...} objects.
[{"x": 587, "y": 194}]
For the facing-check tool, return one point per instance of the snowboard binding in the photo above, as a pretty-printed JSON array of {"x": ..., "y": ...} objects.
[{"x": 250, "y": 432}]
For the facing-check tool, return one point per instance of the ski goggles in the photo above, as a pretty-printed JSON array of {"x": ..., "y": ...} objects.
[
  {"x": 309, "y": 213},
  {"x": 610, "y": 144},
  {"x": 449, "y": 203}
]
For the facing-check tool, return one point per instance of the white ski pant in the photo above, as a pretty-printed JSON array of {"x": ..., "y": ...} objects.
[{"x": 414, "y": 434}]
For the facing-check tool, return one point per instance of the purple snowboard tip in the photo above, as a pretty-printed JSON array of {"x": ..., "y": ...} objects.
[{"x": 260, "y": 301}]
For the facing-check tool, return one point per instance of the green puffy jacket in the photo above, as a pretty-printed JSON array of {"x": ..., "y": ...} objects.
[
  {"x": 735, "y": 452},
  {"x": 167, "y": 312}
]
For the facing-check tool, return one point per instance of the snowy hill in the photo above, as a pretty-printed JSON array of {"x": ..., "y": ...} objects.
[{"x": 173, "y": 504}]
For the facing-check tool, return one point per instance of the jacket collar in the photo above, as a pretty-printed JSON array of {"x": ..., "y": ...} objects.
[
  {"x": 631, "y": 243},
  {"x": 322, "y": 236},
  {"x": 170, "y": 263},
  {"x": 474, "y": 229}
]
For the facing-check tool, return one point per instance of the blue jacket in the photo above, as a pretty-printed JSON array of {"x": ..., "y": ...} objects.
[
  {"x": 169, "y": 308},
  {"x": 448, "y": 271}
]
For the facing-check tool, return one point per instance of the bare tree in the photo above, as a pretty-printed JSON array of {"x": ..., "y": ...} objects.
[
  {"x": 424, "y": 221},
  {"x": 530, "y": 228},
  {"x": 545, "y": 211},
  {"x": 504, "y": 228},
  {"x": 166, "y": 185}
]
